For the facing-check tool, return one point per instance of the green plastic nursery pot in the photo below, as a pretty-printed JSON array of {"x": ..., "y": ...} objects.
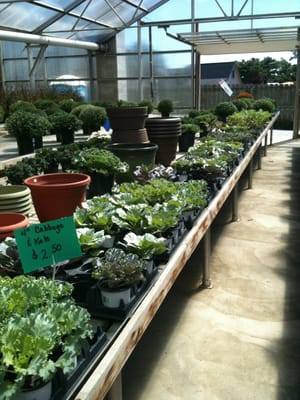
[
  {"x": 11, "y": 221},
  {"x": 134, "y": 154},
  {"x": 57, "y": 195}
]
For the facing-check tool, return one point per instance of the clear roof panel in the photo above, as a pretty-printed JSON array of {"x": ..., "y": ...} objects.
[{"x": 87, "y": 20}]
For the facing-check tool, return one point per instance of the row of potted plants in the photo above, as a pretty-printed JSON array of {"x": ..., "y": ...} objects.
[{"x": 141, "y": 216}]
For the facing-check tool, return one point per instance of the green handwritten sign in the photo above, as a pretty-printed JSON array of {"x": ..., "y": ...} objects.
[{"x": 42, "y": 245}]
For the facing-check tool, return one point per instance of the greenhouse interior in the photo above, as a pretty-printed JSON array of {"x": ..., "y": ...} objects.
[{"x": 149, "y": 200}]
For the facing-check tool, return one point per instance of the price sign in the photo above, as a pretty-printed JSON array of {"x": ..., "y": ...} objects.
[
  {"x": 225, "y": 87},
  {"x": 40, "y": 245}
]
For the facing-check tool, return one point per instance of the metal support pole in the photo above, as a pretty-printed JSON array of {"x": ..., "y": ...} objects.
[
  {"x": 259, "y": 157},
  {"x": 250, "y": 174},
  {"x": 234, "y": 203},
  {"x": 115, "y": 392},
  {"x": 206, "y": 281},
  {"x": 265, "y": 145}
]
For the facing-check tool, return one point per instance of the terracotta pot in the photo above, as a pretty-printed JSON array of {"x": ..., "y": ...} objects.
[
  {"x": 11, "y": 221},
  {"x": 57, "y": 195}
]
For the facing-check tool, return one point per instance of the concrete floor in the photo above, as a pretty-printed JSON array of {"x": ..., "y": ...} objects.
[{"x": 241, "y": 339}]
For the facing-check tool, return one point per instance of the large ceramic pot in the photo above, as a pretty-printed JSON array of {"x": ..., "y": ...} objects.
[
  {"x": 11, "y": 221},
  {"x": 128, "y": 124},
  {"x": 15, "y": 198},
  {"x": 134, "y": 154},
  {"x": 165, "y": 133},
  {"x": 57, "y": 195}
]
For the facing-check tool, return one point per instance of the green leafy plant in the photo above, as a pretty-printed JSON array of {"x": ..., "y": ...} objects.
[
  {"x": 39, "y": 318},
  {"x": 118, "y": 269},
  {"x": 16, "y": 173},
  {"x": 63, "y": 122},
  {"x": 224, "y": 109},
  {"x": 93, "y": 159},
  {"x": 146, "y": 246},
  {"x": 92, "y": 118},
  {"x": 27, "y": 123},
  {"x": 91, "y": 241}
]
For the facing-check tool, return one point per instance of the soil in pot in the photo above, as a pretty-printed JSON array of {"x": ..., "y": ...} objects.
[{"x": 57, "y": 195}]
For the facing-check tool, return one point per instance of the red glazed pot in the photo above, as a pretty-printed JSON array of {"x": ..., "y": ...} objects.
[
  {"x": 11, "y": 221},
  {"x": 57, "y": 195}
]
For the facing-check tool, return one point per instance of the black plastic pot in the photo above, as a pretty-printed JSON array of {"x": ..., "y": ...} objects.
[{"x": 134, "y": 154}]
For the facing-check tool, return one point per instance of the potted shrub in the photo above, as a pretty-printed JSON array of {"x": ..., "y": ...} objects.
[
  {"x": 42, "y": 330},
  {"x": 101, "y": 165},
  {"x": 26, "y": 126},
  {"x": 22, "y": 169},
  {"x": 165, "y": 107},
  {"x": 187, "y": 138},
  {"x": 47, "y": 160},
  {"x": 64, "y": 126},
  {"x": 92, "y": 118},
  {"x": 224, "y": 109}
]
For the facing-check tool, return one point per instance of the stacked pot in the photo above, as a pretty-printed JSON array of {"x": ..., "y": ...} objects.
[
  {"x": 165, "y": 132},
  {"x": 128, "y": 124},
  {"x": 15, "y": 199}
]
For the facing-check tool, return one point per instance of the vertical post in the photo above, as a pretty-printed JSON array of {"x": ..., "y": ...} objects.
[
  {"x": 250, "y": 174},
  {"x": 207, "y": 282},
  {"x": 259, "y": 157},
  {"x": 297, "y": 97},
  {"x": 234, "y": 203},
  {"x": 115, "y": 392}
]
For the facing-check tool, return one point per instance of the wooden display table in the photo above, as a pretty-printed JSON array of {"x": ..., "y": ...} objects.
[{"x": 106, "y": 377}]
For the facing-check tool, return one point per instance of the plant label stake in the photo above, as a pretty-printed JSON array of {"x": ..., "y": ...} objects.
[{"x": 45, "y": 244}]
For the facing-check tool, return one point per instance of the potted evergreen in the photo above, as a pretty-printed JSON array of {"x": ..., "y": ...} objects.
[
  {"x": 92, "y": 118},
  {"x": 25, "y": 126},
  {"x": 64, "y": 126},
  {"x": 164, "y": 131},
  {"x": 187, "y": 138}
]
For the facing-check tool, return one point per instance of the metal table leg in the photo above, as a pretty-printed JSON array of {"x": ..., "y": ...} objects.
[
  {"x": 265, "y": 145},
  {"x": 234, "y": 203},
  {"x": 250, "y": 174},
  {"x": 207, "y": 282},
  {"x": 115, "y": 392},
  {"x": 259, "y": 157}
]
